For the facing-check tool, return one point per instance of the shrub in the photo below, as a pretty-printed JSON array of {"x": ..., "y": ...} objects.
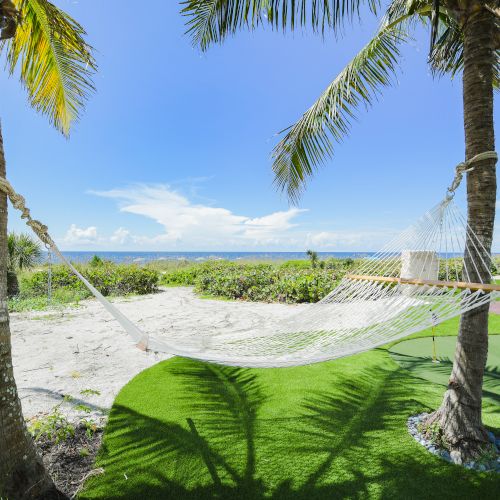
[
  {"x": 96, "y": 261},
  {"x": 265, "y": 282},
  {"x": 108, "y": 278},
  {"x": 296, "y": 264},
  {"x": 184, "y": 276},
  {"x": 451, "y": 269}
]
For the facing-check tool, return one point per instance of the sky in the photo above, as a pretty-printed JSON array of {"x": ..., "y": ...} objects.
[{"x": 173, "y": 150}]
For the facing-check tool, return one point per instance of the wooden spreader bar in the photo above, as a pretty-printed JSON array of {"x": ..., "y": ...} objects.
[{"x": 462, "y": 285}]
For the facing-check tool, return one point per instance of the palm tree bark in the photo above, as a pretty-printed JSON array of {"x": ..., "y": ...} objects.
[
  {"x": 22, "y": 474},
  {"x": 459, "y": 417}
]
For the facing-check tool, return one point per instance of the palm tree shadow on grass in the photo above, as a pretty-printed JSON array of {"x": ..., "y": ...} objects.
[{"x": 223, "y": 449}]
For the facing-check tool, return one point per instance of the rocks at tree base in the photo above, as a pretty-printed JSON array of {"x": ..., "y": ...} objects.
[
  {"x": 456, "y": 457},
  {"x": 488, "y": 464}
]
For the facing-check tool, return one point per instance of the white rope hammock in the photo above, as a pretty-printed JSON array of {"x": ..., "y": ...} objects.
[{"x": 415, "y": 282}]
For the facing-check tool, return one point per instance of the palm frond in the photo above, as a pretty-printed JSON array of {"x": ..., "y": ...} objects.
[
  {"x": 399, "y": 9},
  {"x": 308, "y": 143},
  {"x": 212, "y": 21},
  {"x": 24, "y": 251},
  {"x": 434, "y": 24},
  {"x": 446, "y": 57},
  {"x": 447, "y": 53},
  {"x": 55, "y": 62}
]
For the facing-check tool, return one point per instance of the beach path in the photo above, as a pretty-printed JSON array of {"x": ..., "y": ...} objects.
[{"x": 82, "y": 353}]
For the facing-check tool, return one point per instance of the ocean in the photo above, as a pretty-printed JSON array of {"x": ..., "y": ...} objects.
[{"x": 143, "y": 257}]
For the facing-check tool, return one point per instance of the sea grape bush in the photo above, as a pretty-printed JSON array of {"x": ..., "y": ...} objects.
[
  {"x": 108, "y": 278},
  {"x": 292, "y": 283},
  {"x": 184, "y": 276}
]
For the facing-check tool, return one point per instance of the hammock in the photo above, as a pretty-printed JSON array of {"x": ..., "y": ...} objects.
[{"x": 433, "y": 271}]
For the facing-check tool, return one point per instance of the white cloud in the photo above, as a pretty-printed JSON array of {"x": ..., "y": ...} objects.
[
  {"x": 195, "y": 226},
  {"x": 191, "y": 225},
  {"x": 120, "y": 236},
  {"x": 76, "y": 235},
  {"x": 342, "y": 240}
]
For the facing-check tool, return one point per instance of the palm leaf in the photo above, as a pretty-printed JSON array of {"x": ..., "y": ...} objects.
[
  {"x": 447, "y": 53},
  {"x": 308, "y": 143},
  {"x": 212, "y": 21},
  {"x": 24, "y": 251},
  {"x": 54, "y": 60},
  {"x": 402, "y": 9}
]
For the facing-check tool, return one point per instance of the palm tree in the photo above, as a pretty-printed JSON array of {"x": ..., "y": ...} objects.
[
  {"x": 313, "y": 257},
  {"x": 464, "y": 39},
  {"x": 46, "y": 47},
  {"x": 24, "y": 253}
]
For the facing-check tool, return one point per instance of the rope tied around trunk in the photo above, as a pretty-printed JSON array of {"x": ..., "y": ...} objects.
[
  {"x": 19, "y": 203},
  {"x": 41, "y": 230},
  {"x": 464, "y": 167}
]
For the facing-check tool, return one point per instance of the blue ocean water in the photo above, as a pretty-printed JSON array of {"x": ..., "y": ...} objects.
[{"x": 143, "y": 257}]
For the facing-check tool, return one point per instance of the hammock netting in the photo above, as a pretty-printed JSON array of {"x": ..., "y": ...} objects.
[{"x": 433, "y": 271}]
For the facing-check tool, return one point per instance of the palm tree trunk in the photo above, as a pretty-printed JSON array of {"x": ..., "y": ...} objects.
[
  {"x": 459, "y": 416},
  {"x": 22, "y": 474}
]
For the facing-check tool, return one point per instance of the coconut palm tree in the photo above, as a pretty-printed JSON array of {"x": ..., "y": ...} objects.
[
  {"x": 25, "y": 252},
  {"x": 464, "y": 37},
  {"x": 46, "y": 48},
  {"x": 313, "y": 257}
]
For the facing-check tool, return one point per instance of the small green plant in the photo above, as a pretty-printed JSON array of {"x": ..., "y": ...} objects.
[
  {"x": 488, "y": 456},
  {"x": 84, "y": 452},
  {"x": 83, "y": 408},
  {"x": 90, "y": 427},
  {"x": 55, "y": 426},
  {"x": 434, "y": 434},
  {"x": 90, "y": 392}
]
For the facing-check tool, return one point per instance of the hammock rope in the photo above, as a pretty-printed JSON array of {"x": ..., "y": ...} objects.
[{"x": 435, "y": 270}]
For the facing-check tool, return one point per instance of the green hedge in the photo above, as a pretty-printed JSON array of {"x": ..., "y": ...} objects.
[
  {"x": 108, "y": 278},
  {"x": 258, "y": 282},
  {"x": 184, "y": 276},
  {"x": 292, "y": 281}
]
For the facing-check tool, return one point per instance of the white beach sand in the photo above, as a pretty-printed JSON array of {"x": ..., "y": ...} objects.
[{"x": 67, "y": 351}]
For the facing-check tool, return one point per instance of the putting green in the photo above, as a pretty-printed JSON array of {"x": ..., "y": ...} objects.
[
  {"x": 190, "y": 430},
  {"x": 415, "y": 355}
]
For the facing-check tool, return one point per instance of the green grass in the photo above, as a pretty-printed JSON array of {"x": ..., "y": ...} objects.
[
  {"x": 450, "y": 327},
  {"x": 416, "y": 357},
  {"x": 190, "y": 430},
  {"x": 60, "y": 298}
]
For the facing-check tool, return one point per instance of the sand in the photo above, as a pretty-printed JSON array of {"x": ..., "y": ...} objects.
[{"x": 83, "y": 354}]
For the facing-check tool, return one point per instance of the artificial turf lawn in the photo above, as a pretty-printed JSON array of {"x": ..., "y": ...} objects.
[
  {"x": 416, "y": 356},
  {"x": 189, "y": 430}
]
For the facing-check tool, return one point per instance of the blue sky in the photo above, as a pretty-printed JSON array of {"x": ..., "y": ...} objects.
[{"x": 173, "y": 151}]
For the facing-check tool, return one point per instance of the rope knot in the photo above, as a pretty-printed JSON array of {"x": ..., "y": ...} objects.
[{"x": 464, "y": 167}]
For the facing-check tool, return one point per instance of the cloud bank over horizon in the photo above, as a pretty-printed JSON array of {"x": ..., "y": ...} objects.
[{"x": 186, "y": 225}]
